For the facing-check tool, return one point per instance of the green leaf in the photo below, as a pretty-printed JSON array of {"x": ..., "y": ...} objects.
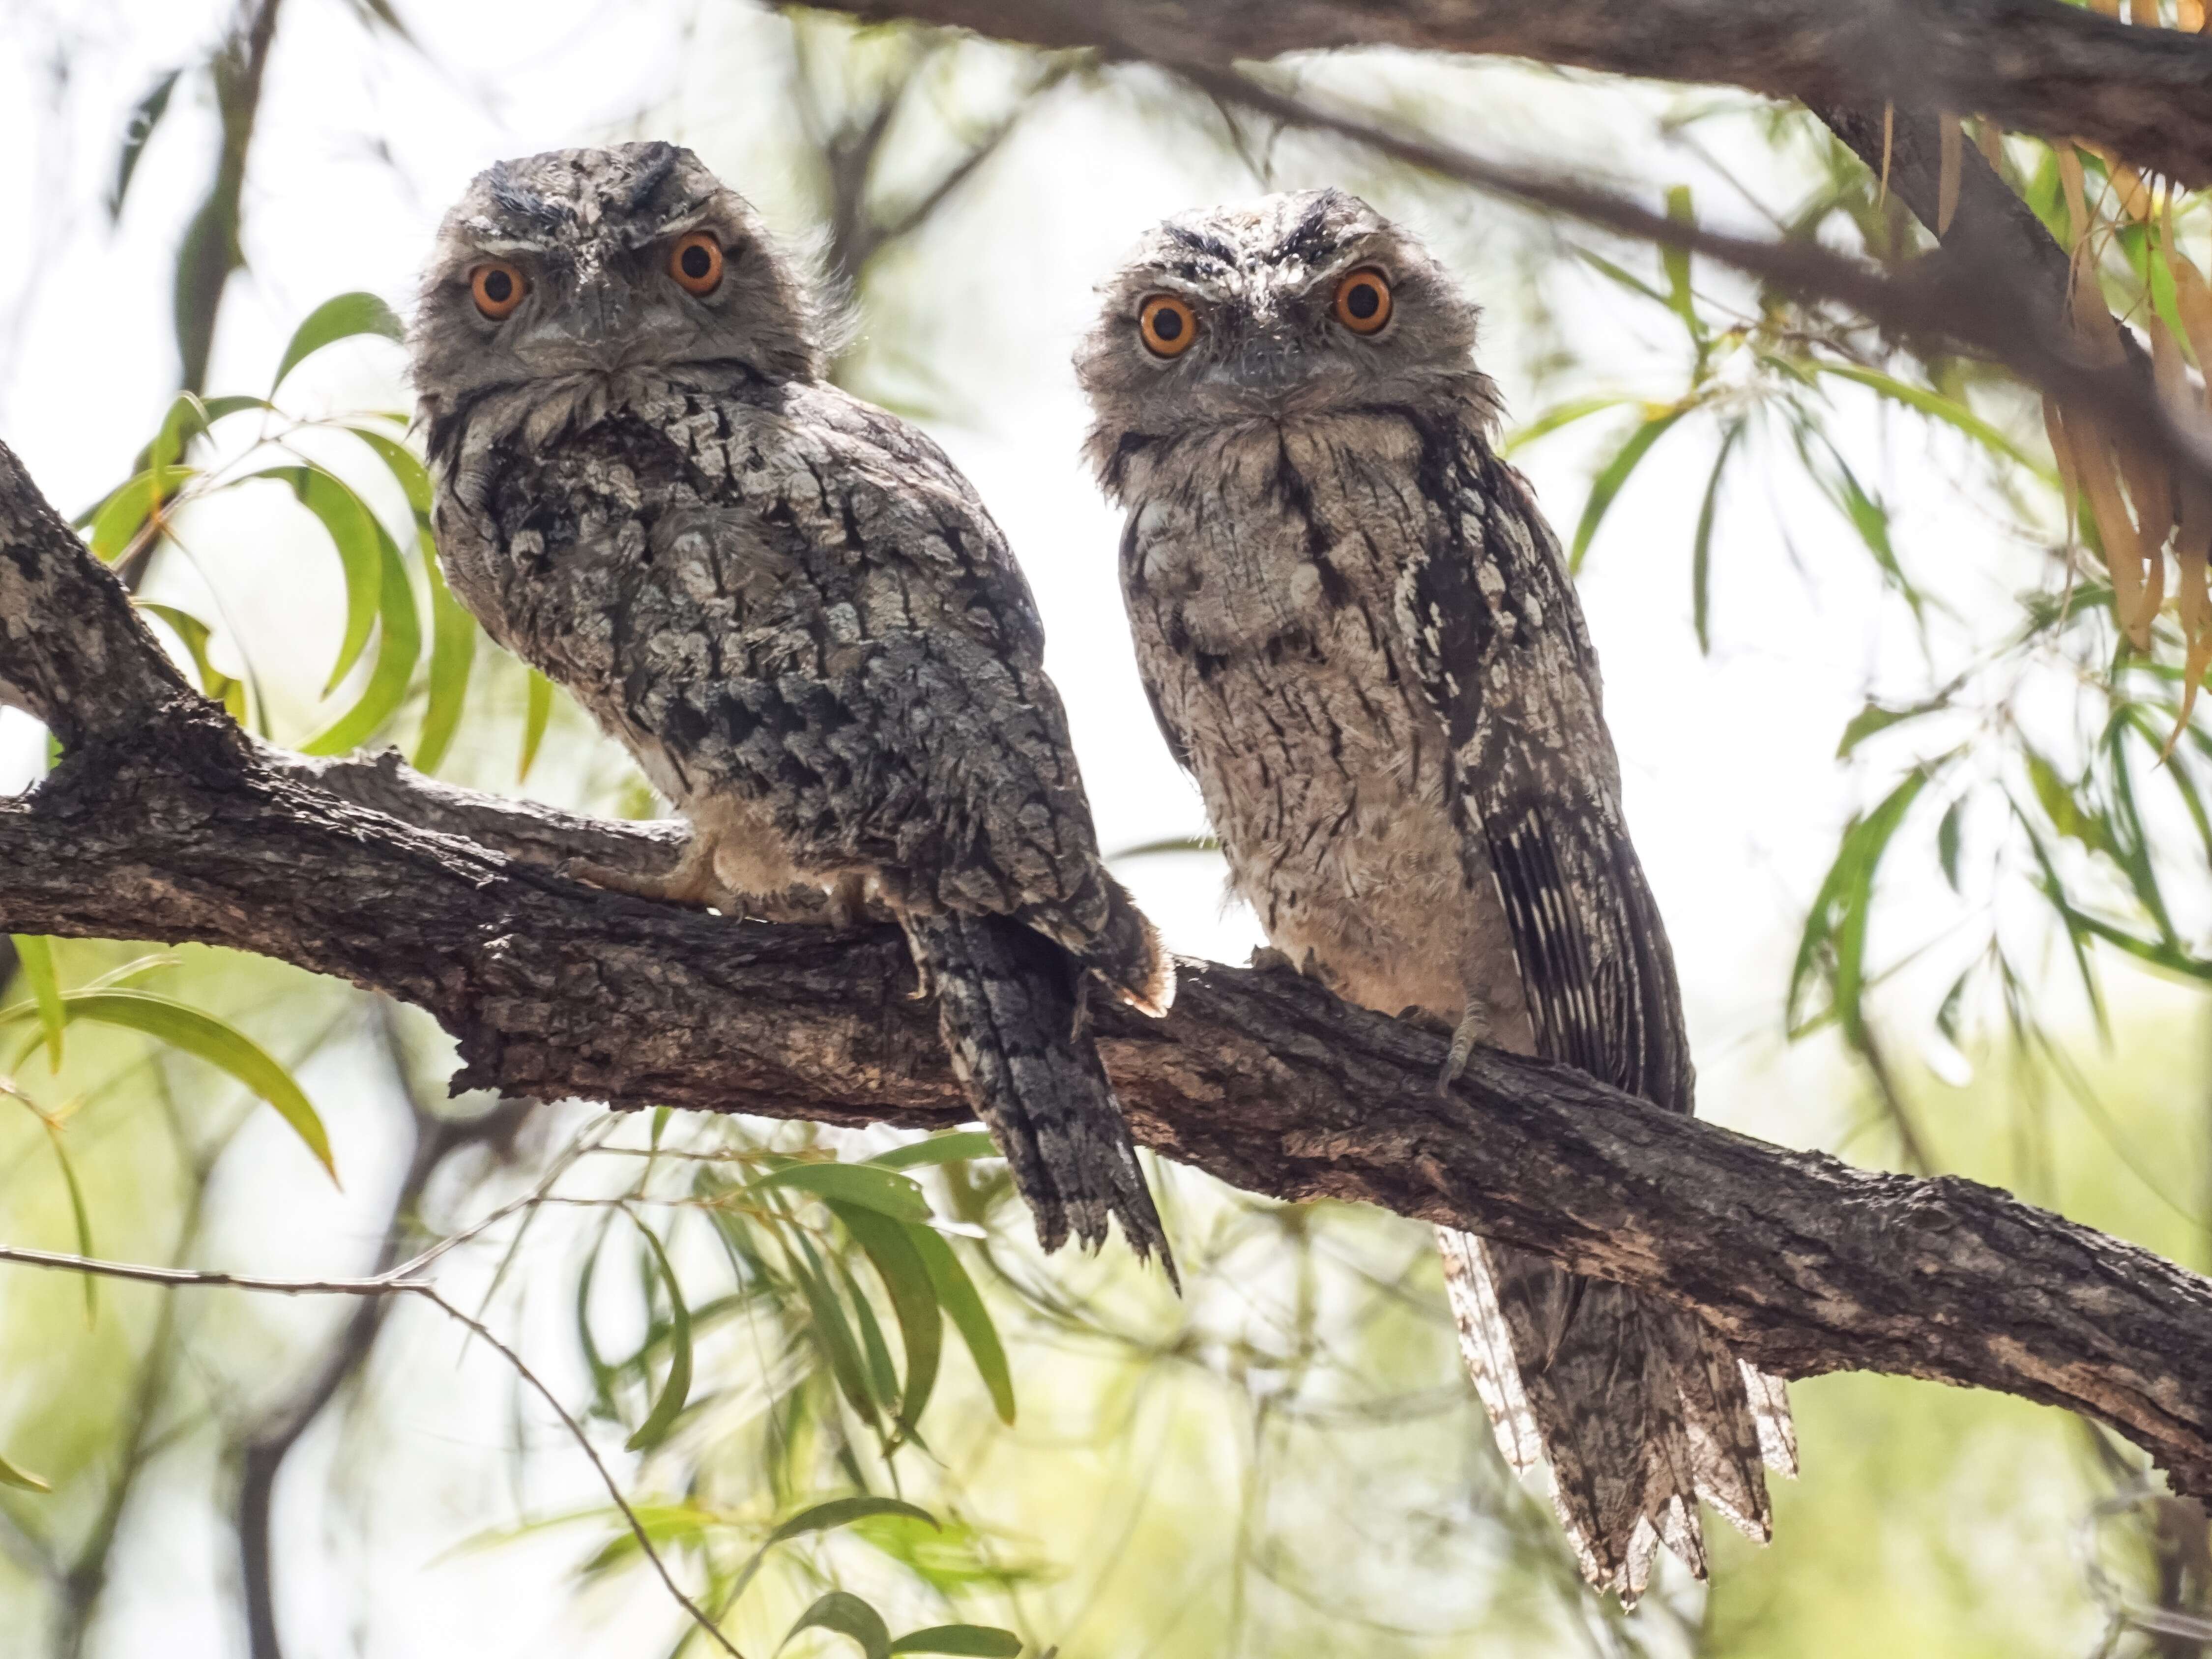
[
  {"x": 676, "y": 1388},
  {"x": 979, "y": 1641},
  {"x": 1633, "y": 284},
  {"x": 2067, "y": 814},
  {"x": 204, "y": 1036},
  {"x": 1701, "y": 549},
  {"x": 118, "y": 521},
  {"x": 195, "y": 635},
  {"x": 400, "y": 461},
  {"x": 957, "y": 1295},
  {"x": 938, "y": 1149},
  {"x": 35, "y": 953},
  {"x": 1835, "y": 930},
  {"x": 145, "y": 115},
  {"x": 834, "y": 1331},
  {"x": 1949, "y": 410},
  {"x": 1675, "y": 261},
  {"x": 1863, "y": 725},
  {"x": 848, "y": 1616},
  {"x": 78, "y": 1214},
  {"x": 1947, "y": 841},
  {"x": 1562, "y": 415},
  {"x": 452, "y": 655},
  {"x": 1614, "y": 474},
  {"x": 844, "y": 1512},
  {"x": 1866, "y": 516},
  {"x": 883, "y": 1376},
  {"x": 538, "y": 712},
  {"x": 359, "y": 539},
  {"x": 913, "y": 1302},
  {"x": 876, "y": 1189},
  {"x": 603, "y": 1374},
  {"x": 12, "y": 1476},
  {"x": 334, "y": 319},
  {"x": 823, "y": 1517},
  {"x": 1947, "y": 1012},
  {"x": 399, "y": 648}
]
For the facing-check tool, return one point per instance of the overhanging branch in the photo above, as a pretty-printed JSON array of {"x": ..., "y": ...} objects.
[
  {"x": 180, "y": 827},
  {"x": 2036, "y": 65}
]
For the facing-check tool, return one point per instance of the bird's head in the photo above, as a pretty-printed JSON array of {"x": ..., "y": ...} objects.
[
  {"x": 584, "y": 262},
  {"x": 1297, "y": 304}
]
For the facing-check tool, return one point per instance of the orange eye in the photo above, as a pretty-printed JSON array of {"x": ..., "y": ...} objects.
[
  {"x": 498, "y": 287},
  {"x": 695, "y": 262},
  {"x": 1168, "y": 325},
  {"x": 1363, "y": 300}
]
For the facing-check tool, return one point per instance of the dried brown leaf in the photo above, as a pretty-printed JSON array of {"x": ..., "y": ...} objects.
[
  {"x": 2062, "y": 455},
  {"x": 2077, "y": 200},
  {"x": 2192, "y": 553},
  {"x": 2193, "y": 300},
  {"x": 1988, "y": 139},
  {"x": 2116, "y": 527},
  {"x": 1947, "y": 182}
]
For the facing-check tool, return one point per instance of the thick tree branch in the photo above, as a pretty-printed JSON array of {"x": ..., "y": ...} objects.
[
  {"x": 2036, "y": 65},
  {"x": 183, "y": 830}
]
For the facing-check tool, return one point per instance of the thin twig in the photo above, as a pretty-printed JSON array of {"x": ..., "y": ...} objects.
[{"x": 395, "y": 1283}]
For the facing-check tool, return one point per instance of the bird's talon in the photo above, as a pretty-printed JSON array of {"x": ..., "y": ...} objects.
[{"x": 1472, "y": 1028}]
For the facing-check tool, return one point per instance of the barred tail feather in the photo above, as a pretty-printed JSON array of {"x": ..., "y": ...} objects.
[
  {"x": 1638, "y": 1405},
  {"x": 1009, "y": 1002}
]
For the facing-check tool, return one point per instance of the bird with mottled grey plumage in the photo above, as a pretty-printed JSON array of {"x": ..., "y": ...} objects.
[
  {"x": 794, "y": 611},
  {"x": 1358, "y": 633}
]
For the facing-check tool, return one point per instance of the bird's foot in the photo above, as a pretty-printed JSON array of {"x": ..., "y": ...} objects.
[
  {"x": 692, "y": 882},
  {"x": 1267, "y": 959},
  {"x": 925, "y": 985},
  {"x": 1473, "y": 1027}
]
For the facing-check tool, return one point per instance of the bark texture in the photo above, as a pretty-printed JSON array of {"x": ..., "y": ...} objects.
[
  {"x": 2036, "y": 65},
  {"x": 180, "y": 827}
]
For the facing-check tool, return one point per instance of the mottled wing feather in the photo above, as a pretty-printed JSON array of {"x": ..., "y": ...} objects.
[
  {"x": 1639, "y": 1405},
  {"x": 1500, "y": 647},
  {"x": 808, "y": 607}
]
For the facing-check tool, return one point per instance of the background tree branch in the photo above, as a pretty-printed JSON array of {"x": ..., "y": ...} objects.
[
  {"x": 180, "y": 827},
  {"x": 2037, "y": 65}
]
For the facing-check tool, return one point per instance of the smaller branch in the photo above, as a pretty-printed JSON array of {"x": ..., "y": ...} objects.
[
  {"x": 1968, "y": 295},
  {"x": 197, "y": 1279},
  {"x": 391, "y": 1284},
  {"x": 2037, "y": 65},
  {"x": 637, "y": 1527}
]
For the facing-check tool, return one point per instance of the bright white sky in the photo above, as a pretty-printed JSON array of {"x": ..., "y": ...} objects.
[{"x": 1732, "y": 792}]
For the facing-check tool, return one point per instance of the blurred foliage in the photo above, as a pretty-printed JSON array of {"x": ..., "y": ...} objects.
[{"x": 843, "y": 1394}]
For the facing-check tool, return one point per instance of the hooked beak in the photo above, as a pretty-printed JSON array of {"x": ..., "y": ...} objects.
[
  {"x": 598, "y": 312},
  {"x": 1267, "y": 363}
]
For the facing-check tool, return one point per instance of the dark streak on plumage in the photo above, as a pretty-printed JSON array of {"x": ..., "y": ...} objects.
[
  {"x": 797, "y": 613},
  {"x": 1360, "y": 636}
]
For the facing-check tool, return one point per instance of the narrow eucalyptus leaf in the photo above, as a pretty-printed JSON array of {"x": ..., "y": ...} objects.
[
  {"x": 675, "y": 1388},
  {"x": 338, "y": 318},
  {"x": 980, "y": 1641},
  {"x": 848, "y": 1616}
]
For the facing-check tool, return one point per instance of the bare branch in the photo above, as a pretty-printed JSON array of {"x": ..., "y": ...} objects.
[
  {"x": 1976, "y": 294},
  {"x": 2037, "y": 65},
  {"x": 388, "y": 1284}
]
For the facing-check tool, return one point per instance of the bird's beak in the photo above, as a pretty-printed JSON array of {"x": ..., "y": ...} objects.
[
  {"x": 1268, "y": 362},
  {"x": 599, "y": 310}
]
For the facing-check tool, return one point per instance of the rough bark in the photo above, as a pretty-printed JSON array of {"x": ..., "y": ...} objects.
[
  {"x": 180, "y": 827},
  {"x": 2036, "y": 65}
]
